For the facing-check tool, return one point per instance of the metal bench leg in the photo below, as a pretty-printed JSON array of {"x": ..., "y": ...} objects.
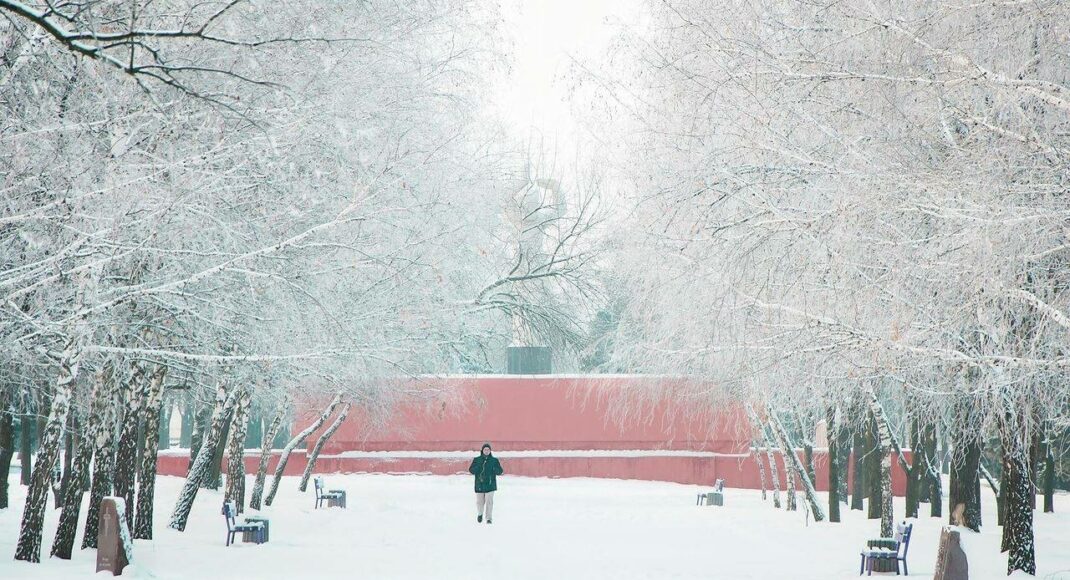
[
  {"x": 905, "y": 573},
  {"x": 862, "y": 566}
]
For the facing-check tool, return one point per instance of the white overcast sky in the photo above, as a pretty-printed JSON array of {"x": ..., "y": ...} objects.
[{"x": 545, "y": 33}]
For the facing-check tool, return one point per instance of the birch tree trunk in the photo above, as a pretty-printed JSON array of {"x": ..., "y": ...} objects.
[
  {"x": 286, "y": 451},
  {"x": 146, "y": 481},
  {"x": 202, "y": 416},
  {"x": 920, "y": 448},
  {"x": 68, "y": 455},
  {"x": 932, "y": 471},
  {"x": 104, "y": 453},
  {"x": 1019, "y": 518},
  {"x": 913, "y": 470},
  {"x": 925, "y": 444},
  {"x": 757, "y": 424},
  {"x": 858, "y": 484},
  {"x": 923, "y": 471},
  {"x": 1019, "y": 494},
  {"x": 916, "y": 477},
  {"x": 265, "y": 456},
  {"x": 1047, "y": 479},
  {"x": 964, "y": 485},
  {"x": 873, "y": 469},
  {"x": 1034, "y": 463},
  {"x": 63, "y": 542},
  {"x": 789, "y": 478},
  {"x": 834, "y": 464},
  {"x": 761, "y": 470},
  {"x": 936, "y": 495},
  {"x": 808, "y": 459},
  {"x": 235, "y": 490},
  {"x": 843, "y": 441},
  {"x": 213, "y": 479},
  {"x": 797, "y": 467},
  {"x": 1006, "y": 466},
  {"x": 7, "y": 446},
  {"x": 126, "y": 455},
  {"x": 774, "y": 475},
  {"x": 199, "y": 470},
  {"x": 29, "y": 544},
  {"x": 320, "y": 443},
  {"x": 884, "y": 438},
  {"x": 57, "y": 475}
]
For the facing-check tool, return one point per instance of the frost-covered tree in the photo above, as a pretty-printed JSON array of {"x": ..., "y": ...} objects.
[
  {"x": 284, "y": 201},
  {"x": 849, "y": 195}
]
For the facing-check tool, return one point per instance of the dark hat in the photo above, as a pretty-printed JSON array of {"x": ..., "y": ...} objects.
[{"x": 485, "y": 446}]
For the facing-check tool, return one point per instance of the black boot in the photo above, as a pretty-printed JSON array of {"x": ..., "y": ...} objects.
[
  {"x": 479, "y": 519},
  {"x": 488, "y": 520}
]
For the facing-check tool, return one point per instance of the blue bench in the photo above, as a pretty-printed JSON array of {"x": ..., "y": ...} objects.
[
  {"x": 715, "y": 497},
  {"x": 888, "y": 549},
  {"x": 333, "y": 497},
  {"x": 254, "y": 530}
]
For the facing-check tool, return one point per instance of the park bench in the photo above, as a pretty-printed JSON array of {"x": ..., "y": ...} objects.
[
  {"x": 252, "y": 531},
  {"x": 882, "y": 553},
  {"x": 333, "y": 497},
  {"x": 715, "y": 497}
]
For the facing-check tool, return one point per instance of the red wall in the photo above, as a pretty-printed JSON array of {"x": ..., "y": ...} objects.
[
  {"x": 176, "y": 462},
  {"x": 738, "y": 472},
  {"x": 535, "y": 413},
  {"x": 539, "y": 413}
]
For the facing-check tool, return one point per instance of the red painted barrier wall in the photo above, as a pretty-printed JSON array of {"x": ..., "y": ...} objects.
[
  {"x": 525, "y": 412},
  {"x": 541, "y": 413},
  {"x": 738, "y": 472},
  {"x": 176, "y": 462}
]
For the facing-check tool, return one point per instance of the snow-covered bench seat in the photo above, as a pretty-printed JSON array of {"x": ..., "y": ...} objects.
[
  {"x": 249, "y": 530},
  {"x": 887, "y": 550},
  {"x": 333, "y": 497},
  {"x": 715, "y": 497}
]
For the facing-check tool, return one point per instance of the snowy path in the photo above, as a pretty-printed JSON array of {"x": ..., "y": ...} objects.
[{"x": 424, "y": 527}]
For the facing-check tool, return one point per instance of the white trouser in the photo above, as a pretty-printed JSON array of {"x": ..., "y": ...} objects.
[{"x": 485, "y": 499}]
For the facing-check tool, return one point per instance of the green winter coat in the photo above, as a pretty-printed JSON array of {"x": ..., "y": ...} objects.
[{"x": 486, "y": 468}]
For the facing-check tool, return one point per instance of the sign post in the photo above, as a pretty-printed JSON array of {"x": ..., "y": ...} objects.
[
  {"x": 114, "y": 546},
  {"x": 951, "y": 561}
]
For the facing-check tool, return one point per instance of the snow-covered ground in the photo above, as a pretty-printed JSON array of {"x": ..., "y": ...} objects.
[{"x": 413, "y": 526}]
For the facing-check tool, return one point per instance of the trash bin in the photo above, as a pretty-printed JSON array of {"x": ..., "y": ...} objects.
[
  {"x": 251, "y": 535},
  {"x": 340, "y": 501}
]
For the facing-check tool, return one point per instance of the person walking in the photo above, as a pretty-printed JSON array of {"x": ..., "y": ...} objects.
[{"x": 486, "y": 468}]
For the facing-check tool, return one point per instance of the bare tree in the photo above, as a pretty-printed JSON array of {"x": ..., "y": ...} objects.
[{"x": 836, "y": 216}]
